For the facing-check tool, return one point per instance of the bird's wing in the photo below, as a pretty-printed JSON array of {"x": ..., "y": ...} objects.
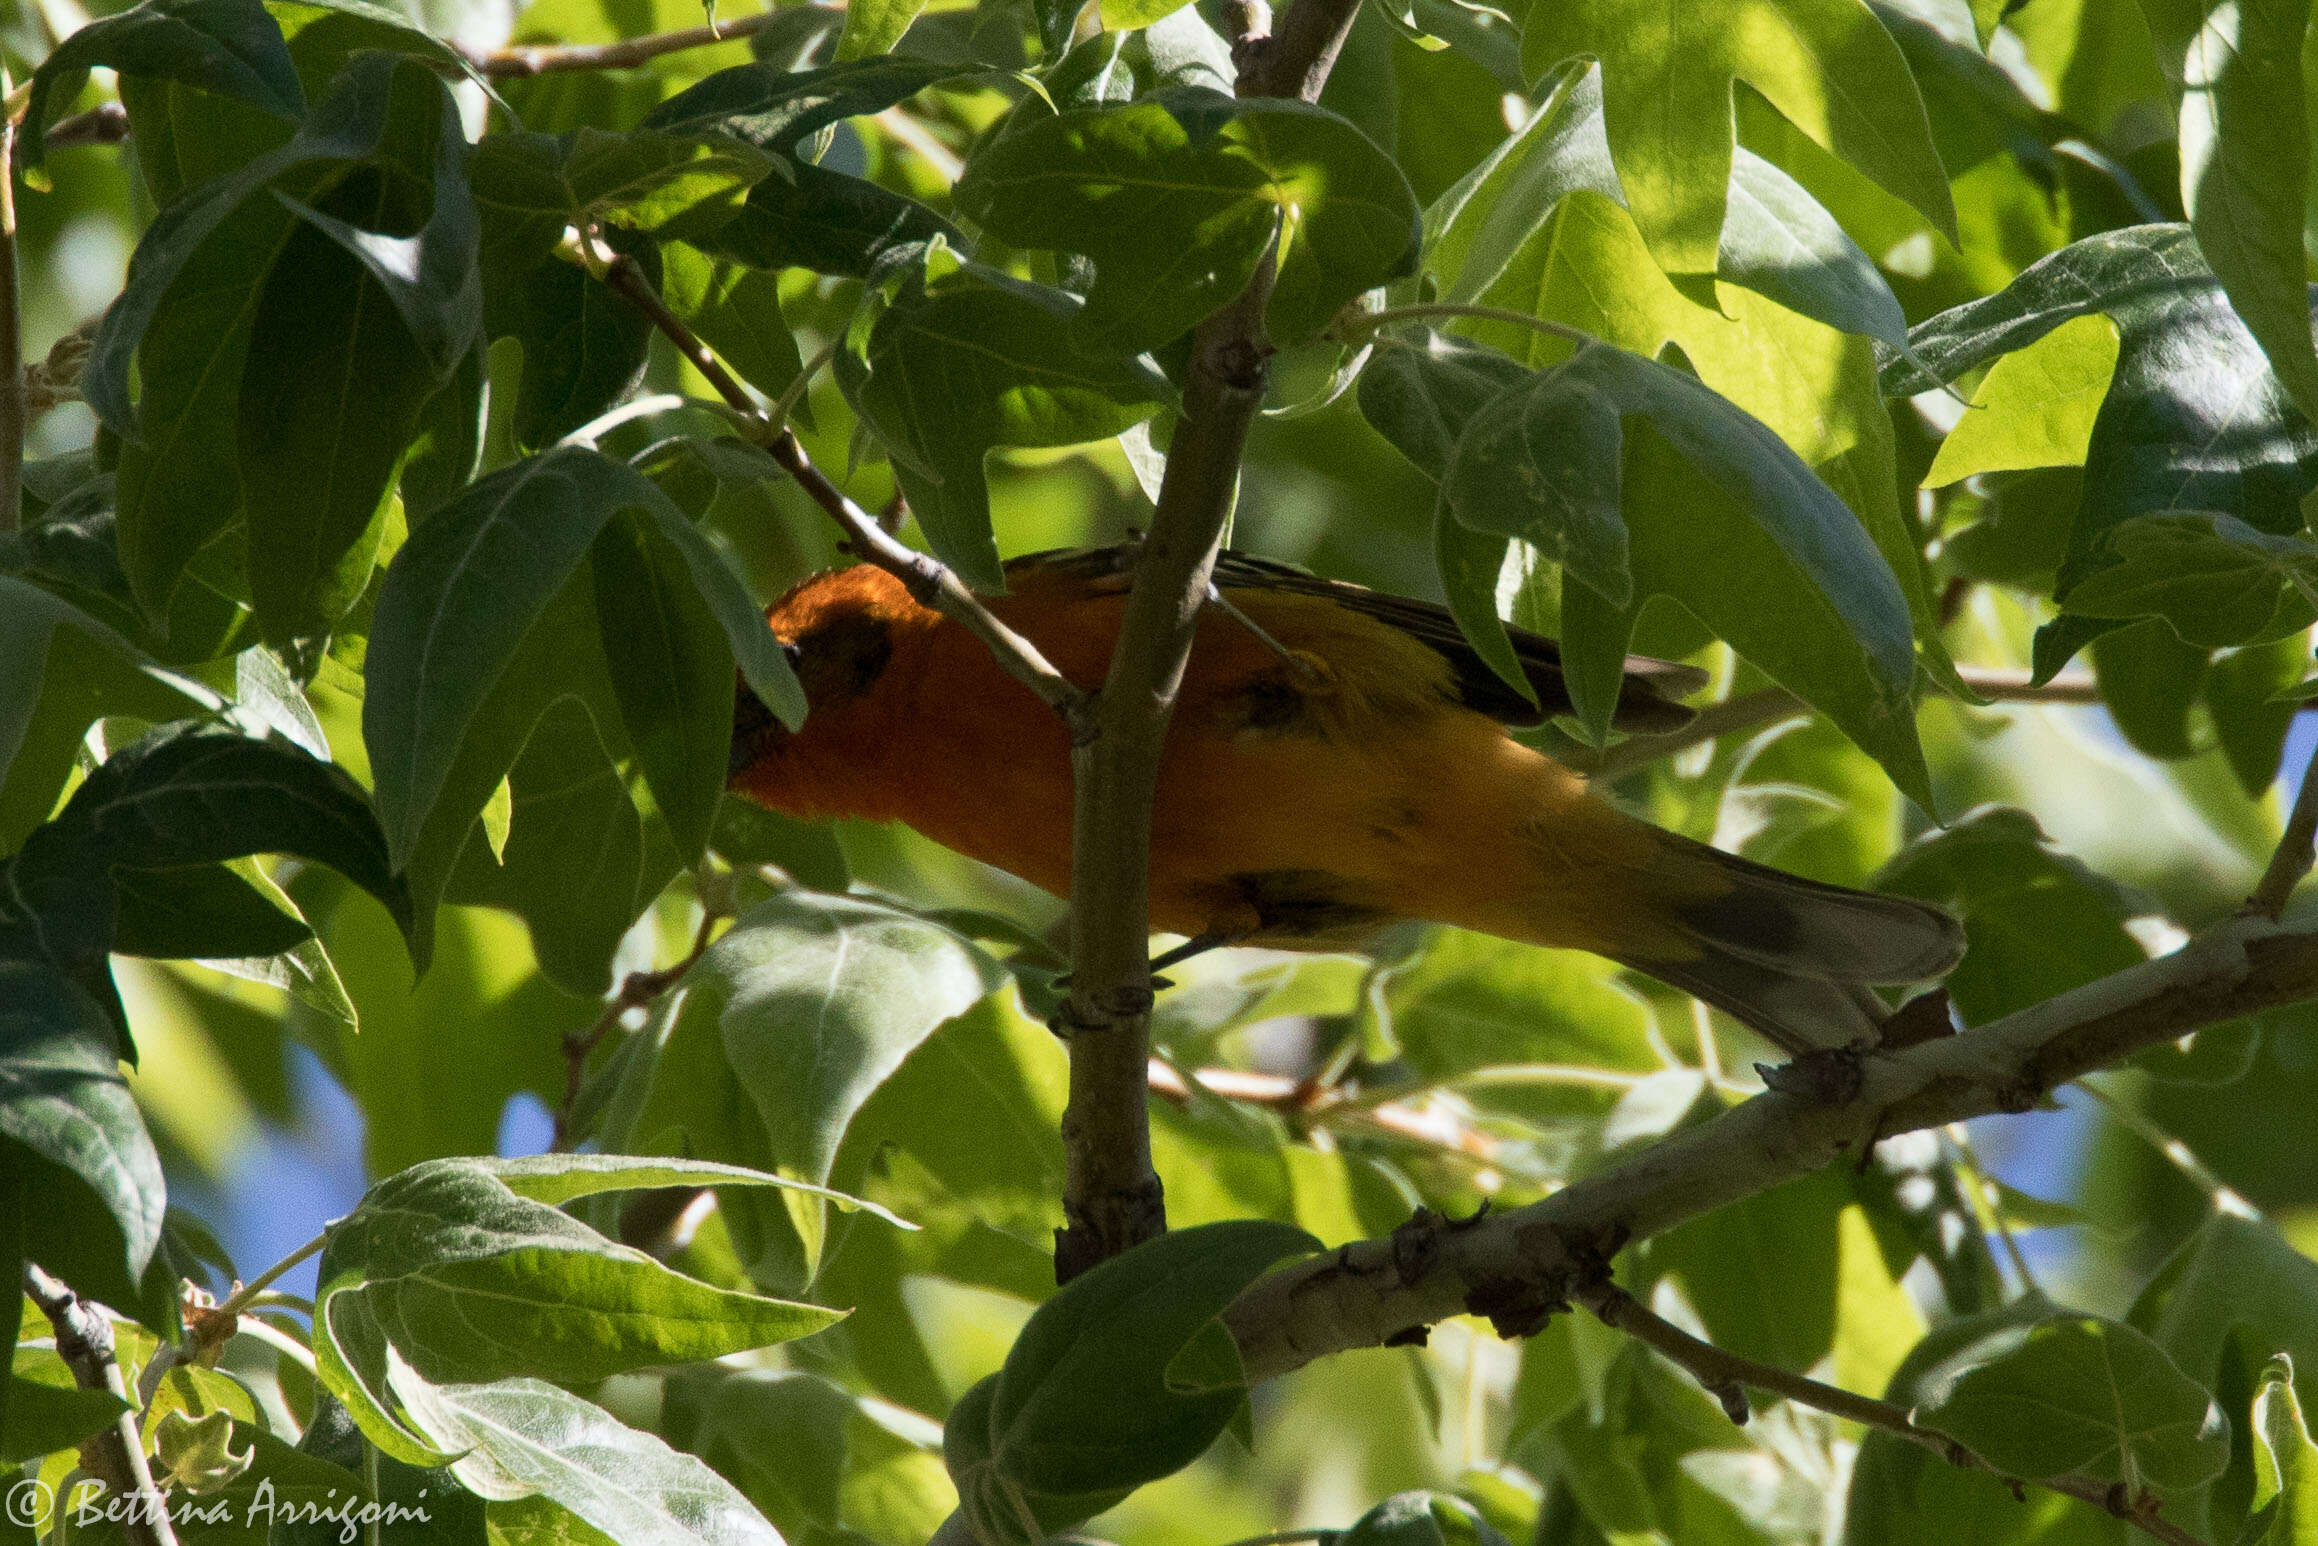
[{"x": 1646, "y": 703}]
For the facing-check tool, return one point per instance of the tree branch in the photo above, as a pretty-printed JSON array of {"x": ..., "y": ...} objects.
[
  {"x": 930, "y": 581},
  {"x": 12, "y": 415},
  {"x": 638, "y": 990},
  {"x": 521, "y": 60},
  {"x": 84, "y": 1340},
  {"x": 1111, "y": 1195},
  {"x": 1725, "y": 1376},
  {"x": 1759, "y": 708},
  {"x": 105, "y": 124},
  {"x": 2295, "y": 851},
  {"x": 1516, "y": 1267}
]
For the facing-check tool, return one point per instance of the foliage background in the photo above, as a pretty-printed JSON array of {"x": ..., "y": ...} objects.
[{"x": 2160, "y": 808}]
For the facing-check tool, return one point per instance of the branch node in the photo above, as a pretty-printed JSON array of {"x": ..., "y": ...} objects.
[
  {"x": 1732, "y": 1397},
  {"x": 1824, "y": 1076},
  {"x": 1514, "y": 1307},
  {"x": 1416, "y": 1245}
]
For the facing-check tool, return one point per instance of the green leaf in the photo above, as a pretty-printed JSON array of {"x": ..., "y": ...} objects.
[
  {"x": 1176, "y": 197},
  {"x": 2213, "y": 578},
  {"x": 203, "y": 911},
  {"x": 556, "y": 1179},
  {"x": 1820, "y": 609},
  {"x": 46, "y": 1410},
  {"x": 329, "y": 402},
  {"x": 66, "y": 670},
  {"x": 1466, "y": 1002},
  {"x": 2285, "y": 1462},
  {"x": 1421, "y": 1519},
  {"x": 1903, "y": 1494},
  {"x": 1828, "y": 65},
  {"x": 959, "y": 359},
  {"x": 2235, "y": 72},
  {"x": 807, "y": 215},
  {"x": 2188, "y": 377},
  {"x": 464, "y": 591},
  {"x": 2233, "y": 1297},
  {"x": 874, "y": 27},
  {"x": 2035, "y": 408},
  {"x": 231, "y": 47},
  {"x": 2037, "y": 921},
  {"x": 417, "y": 1507},
  {"x": 196, "y": 793},
  {"x": 521, "y": 1437},
  {"x": 1084, "y": 1409},
  {"x": 207, "y": 287},
  {"x": 446, "y": 1271},
  {"x": 1777, "y": 240},
  {"x": 791, "y": 1023},
  {"x": 737, "y": 312},
  {"x": 672, "y": 668},
  {"x": 69, "y": 1127},
  {"x": 747, "y": 834},
  {"x": 647, "y": 180},
  {"x": 584, "y": 348},
  {"x": 2076, "y": 1394}
]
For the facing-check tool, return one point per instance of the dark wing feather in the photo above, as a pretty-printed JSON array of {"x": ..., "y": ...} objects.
[{"x": 1646, "y": 703}]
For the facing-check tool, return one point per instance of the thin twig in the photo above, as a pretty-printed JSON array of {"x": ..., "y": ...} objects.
[
  {"x": 929, "y": 580},
  {"x": 2172, "y": 1150},
  {"x": 210, "y": 1327},
  {"x": 1987, "y": 1209},
  {"x": 12, "y": 415},
  {"x": 1112, "y": 1198},
  {"x": 2295, "y": 851},
  {"x": 1726, "y": 1377},
  {"x": 527, "y": 59},
  {"x": 638, "y": 990},
  {"x": 84, "y": 1340},
  {"x": 1761, "y": 707},
  {"x": 105, "y": 124}
]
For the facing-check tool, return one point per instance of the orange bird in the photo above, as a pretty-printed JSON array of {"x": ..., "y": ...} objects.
[{"x": 1338, "y": 761}]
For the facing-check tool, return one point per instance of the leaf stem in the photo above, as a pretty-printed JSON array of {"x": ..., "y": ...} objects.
[
  {"x": 930, "y": 581},
  {"x": 1726, "y": 1377},
  {"x": 1368, "y": 322},
  {"x": 84, "y": 1340}
]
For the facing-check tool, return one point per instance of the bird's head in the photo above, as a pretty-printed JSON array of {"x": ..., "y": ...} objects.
[{"x": 838, "y": 631}]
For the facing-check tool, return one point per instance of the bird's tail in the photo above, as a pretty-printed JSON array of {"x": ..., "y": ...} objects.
[{"x": 1790, "y": 957}]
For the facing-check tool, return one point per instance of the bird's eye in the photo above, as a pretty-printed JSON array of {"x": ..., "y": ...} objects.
[{"x": 792, "y": 652}]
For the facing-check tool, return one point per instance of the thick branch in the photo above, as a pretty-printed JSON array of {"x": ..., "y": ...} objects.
[
  {"x": 84, "y": 1340},
  {"x": 1111, "y": 1195},
  {"x": 928, "y": 579},
  {"x": 1518, "y": 1266},
  {"x": 1725, "y": 1376}
]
